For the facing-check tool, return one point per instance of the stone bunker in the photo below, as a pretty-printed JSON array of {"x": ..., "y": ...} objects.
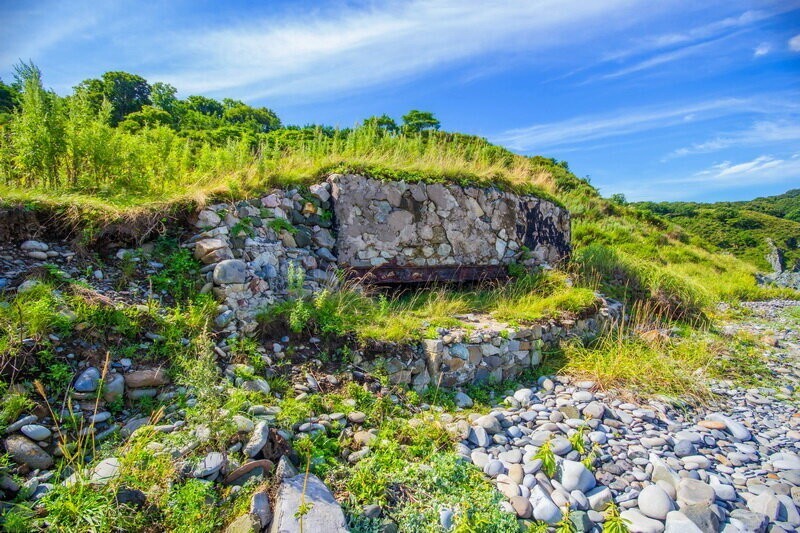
[
  {"x": 389, "y": 232},
  {"x": 418, "y": 232},
  {"x": 259, "y": 251}
]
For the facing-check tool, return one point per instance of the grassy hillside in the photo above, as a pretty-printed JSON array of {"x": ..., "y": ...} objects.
[
  {"x": 96, "y": 156},
  {"x": 741, "y": 227}
]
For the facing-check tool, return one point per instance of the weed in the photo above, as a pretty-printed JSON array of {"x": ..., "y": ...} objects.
[
  {"x": 281, "y": 224},
  {"x": 14, "y": 404},
  {"x": 192, "y": 507},
  {"x": 179, "y": 277},
  {"x": 614, "y": 522},
  {"x": 548, "y": 458}
]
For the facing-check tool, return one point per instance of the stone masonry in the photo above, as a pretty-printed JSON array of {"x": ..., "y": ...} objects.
[
  {"x": 488, "y": 351},
  {"x": 428, "y": 225},
  {"x": 254, "y": 248}
]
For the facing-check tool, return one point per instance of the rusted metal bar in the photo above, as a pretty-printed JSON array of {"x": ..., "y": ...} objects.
[{"x": 394, "y": 274}]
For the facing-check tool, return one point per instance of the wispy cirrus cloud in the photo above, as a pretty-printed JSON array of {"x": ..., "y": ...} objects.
[
  {"x": 586, "y": 129},
  {"x": 760, "y": 133},
  {"x": 717, "y": 178},
  {"x": 794, "y": 43},
  {"x": 758, "y": 170},
  {"x": 355, "y": 48},
  {"x": 762, "y": 50}
]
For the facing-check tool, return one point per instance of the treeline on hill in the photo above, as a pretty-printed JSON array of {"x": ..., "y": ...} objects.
[
  {"x": 120, "y": 134},
  {"x": 742, "y": 228}
]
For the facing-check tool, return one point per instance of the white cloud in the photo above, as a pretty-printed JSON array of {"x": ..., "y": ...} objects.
[
  {"x": 576, "y": 131},
  {"x": 693, "y": 35},
  {"x": 794, "y": 43},
  {"x": 760, "y": 133},
  {"x": 328, "y": 52},
  {"x": 721, "y": 177},
  {"x": 762, "y": 50}
]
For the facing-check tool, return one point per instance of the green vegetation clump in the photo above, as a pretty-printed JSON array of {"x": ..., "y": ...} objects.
[
  {"x": 118, "y": 146},
  {"x": 743, "y": 228},
  {"x": 416, "y": 315}
]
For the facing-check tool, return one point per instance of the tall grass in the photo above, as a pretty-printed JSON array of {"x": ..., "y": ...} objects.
[
  {"x": 56, "y": 144},
  {"x": 418, "y": 313},
  {"x": 640, "y": 358}
]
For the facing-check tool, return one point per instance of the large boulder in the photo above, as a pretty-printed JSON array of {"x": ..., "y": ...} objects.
[
  {"x": 323, "y": 512},
  {"x": 25, "y": 451}
]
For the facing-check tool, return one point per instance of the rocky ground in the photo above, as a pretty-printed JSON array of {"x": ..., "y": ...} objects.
[
  {"x": 732, "y": 466},
  {"x": 729, "y": 466}
]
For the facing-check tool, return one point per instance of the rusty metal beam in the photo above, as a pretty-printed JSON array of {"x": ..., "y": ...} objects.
[{"x": 394, "y": 274}]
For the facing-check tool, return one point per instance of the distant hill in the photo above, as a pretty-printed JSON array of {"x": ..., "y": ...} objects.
[{"x": 741, "y": 227}]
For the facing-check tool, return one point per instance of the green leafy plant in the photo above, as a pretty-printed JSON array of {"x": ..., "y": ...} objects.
[
  {"x": 281, "y": 224},
  {"x": 191, "y": 508},
  {"x": 548, "y": 458},
  {"x": 243, "y": 227},
  {"x": 615, "y": 523},
  {"x": 578, "y": 439},
  {"x": 180, "y": 275}
]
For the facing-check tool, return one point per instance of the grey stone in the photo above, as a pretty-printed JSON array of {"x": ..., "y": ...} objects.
[
  {"x": 544, "y": 508},
  {"x": 599, "y": 498},
  {"x": 261, "y": 509},
  {"x": 24, "y": 421},
  {"x": 36, "y": 432},
  {"x": 324, "y": 513},
  {"x": 654, "y": 502},
  {"x": 258, "y": 439},
  {"x": 462, "y": 400},
  {"x": 34, "y": 246},
  {"x": 639, "y": 523},
  {"x": 246, "y": 523},
  {"x": 489, "y": 423},
  {"x": 749, "y": 521},
  {"x": 575, "y": 476},
  {"x": 106, "y": 471},
  {"x": 702, "y": 516},
  {"x": 694, "y": 492},
  {"x": 735, "y": 428},
  {"x": 684, "y": 448},
  {"x": 88, "y": 380},
  {"x": 522, "y": 506},
  {"x": 23, "y": 450},
  {"x": 581, "y": 521},
  {"x": 446, "y": 519},
  {"x": 209, "y": 466},
  {"x": 230, "y": 271},
  {"x": 677, "y": 522},
  {"x": 114, "y": 387}
]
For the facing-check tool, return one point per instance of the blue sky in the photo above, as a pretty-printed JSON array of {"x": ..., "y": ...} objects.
[{"x": 667, "y": 100}]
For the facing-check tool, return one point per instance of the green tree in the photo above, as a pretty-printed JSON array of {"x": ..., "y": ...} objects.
[
  {"x": 8, "y": 97},
  {"x": 416, "y": 121},
  {"x": 204, "y": 105},
  {"x": 383, "y": 122},
  {"x": 127, "y": 93},
  {"x": 260, "y": 119},
  {"x": 147, "y": 117},
  {"x": 619, "y": 199},
  {"x": 162, "y": 95}
]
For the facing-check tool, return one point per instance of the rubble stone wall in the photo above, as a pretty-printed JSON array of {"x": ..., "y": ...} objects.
[
  {"x": 253, "y": 249},
  {"x": 492, "y": 351},
  {"x": 417, "y": 224}
]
